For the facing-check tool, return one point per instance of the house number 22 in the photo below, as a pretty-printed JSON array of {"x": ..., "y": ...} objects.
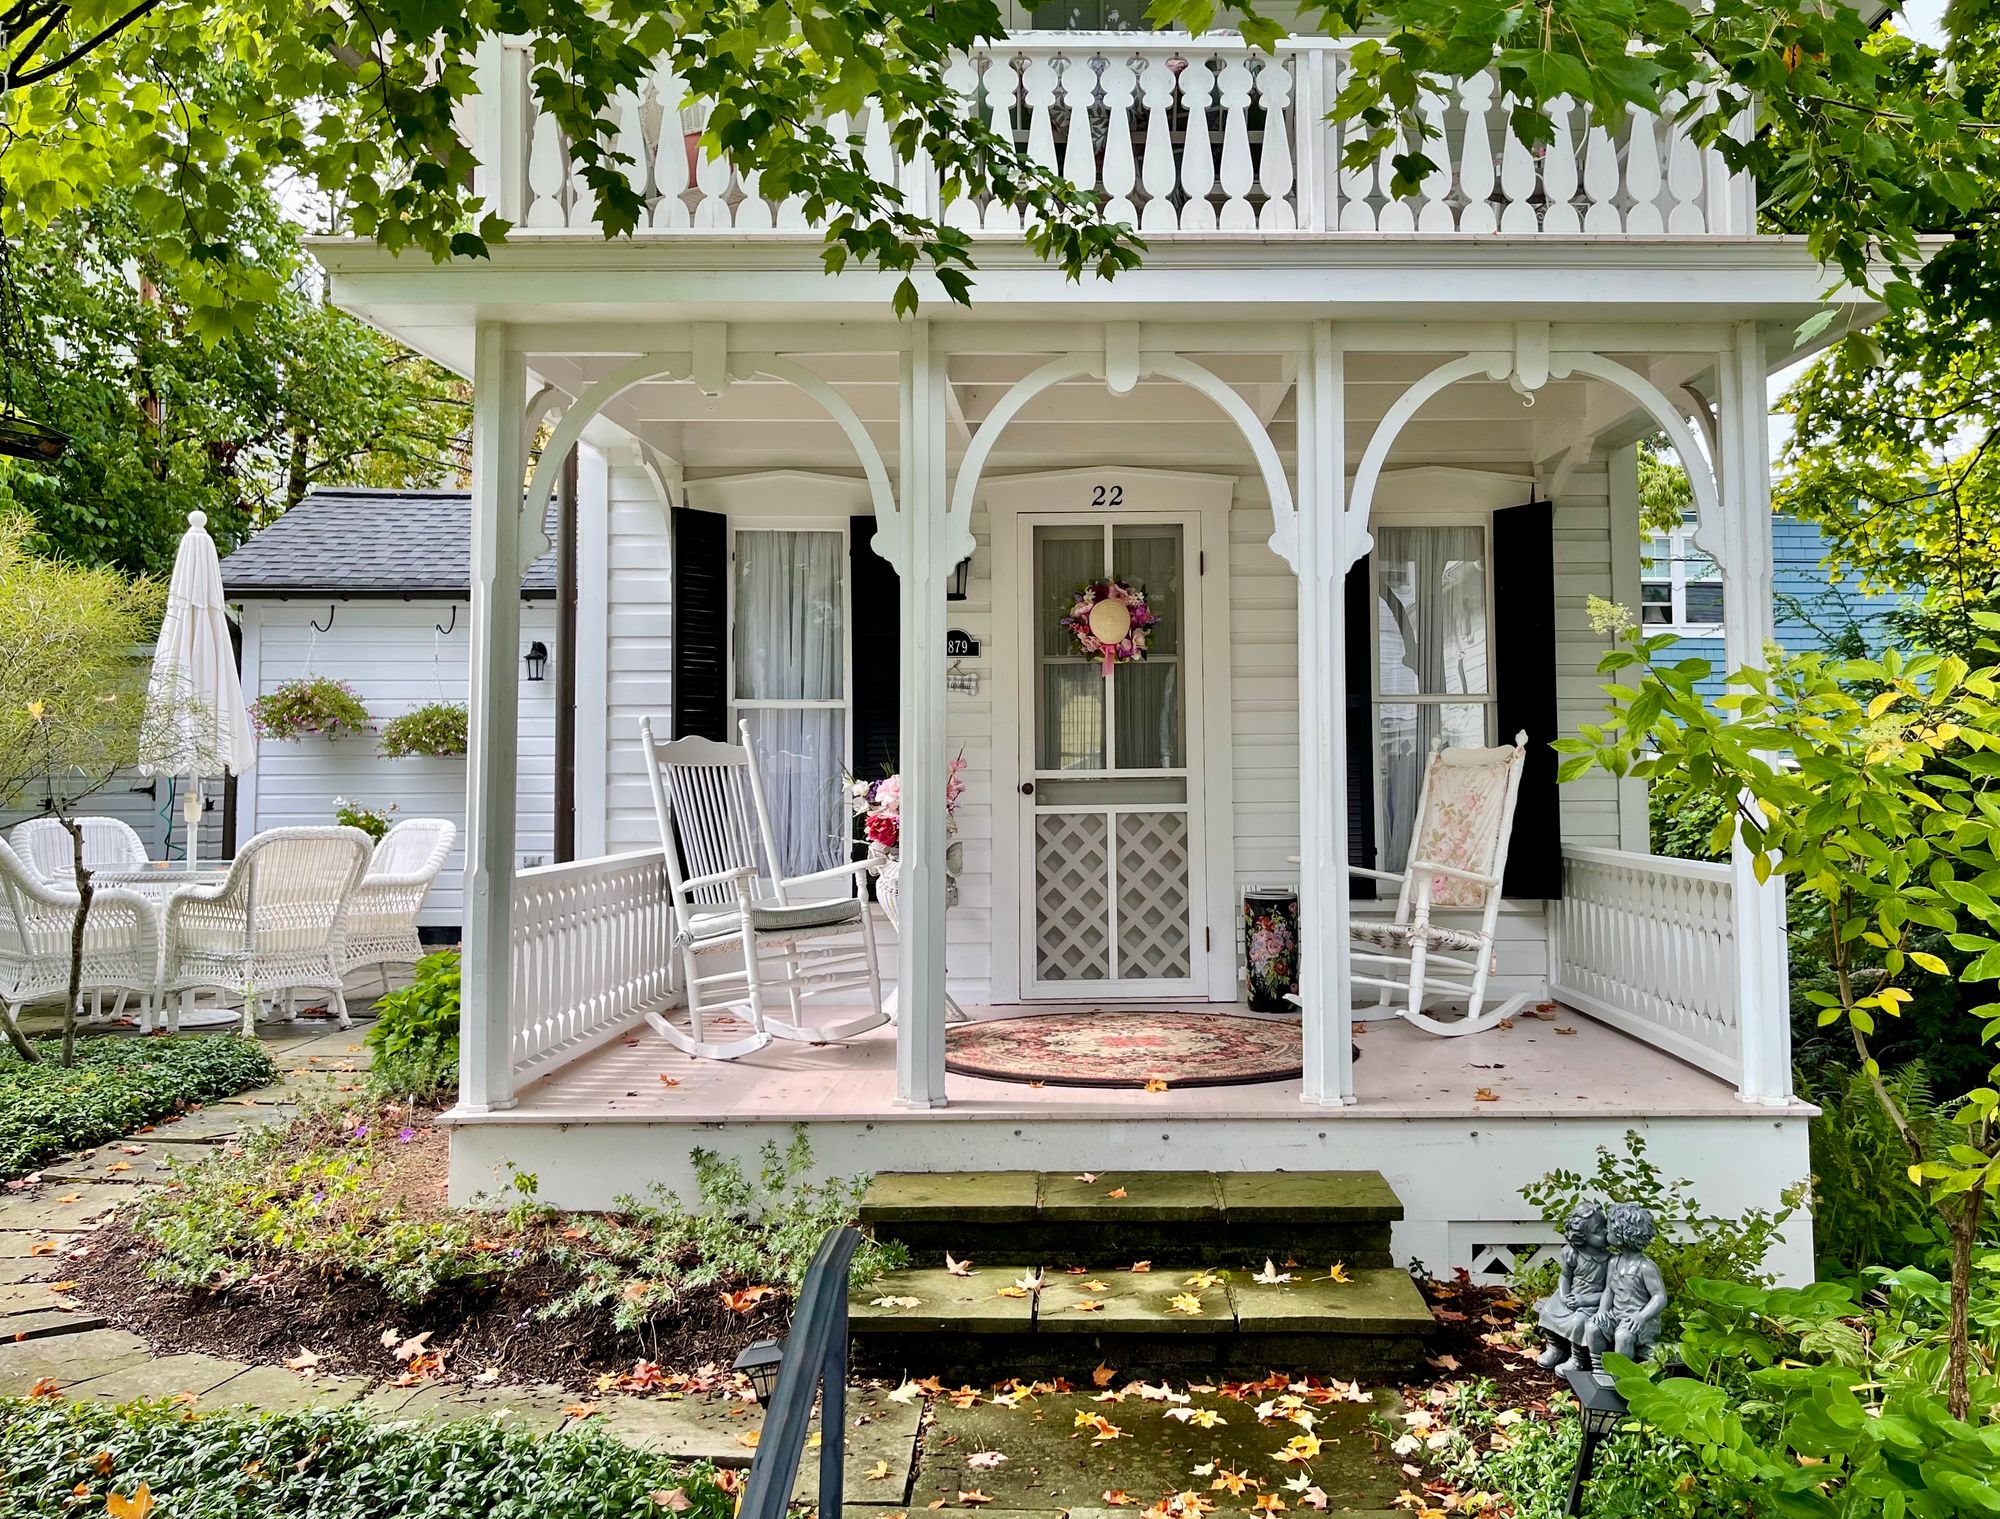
[{"x": 1107, "y": 495}]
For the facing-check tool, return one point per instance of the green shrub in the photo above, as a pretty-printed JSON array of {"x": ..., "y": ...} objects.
[
  {"x": 373, "y": 821},
  {"x": 1690, "y": 1244},
  {"x": 763, "y": 1232},
  {"x": 311, "y": 706},
  {"x": 116, "y": 1085},
  {"x": 317, "y": 1196},
  {"x": 414, "y": 1037},
  {"x": 1865, "y": 1208},
  {"x": 1823, "y": 1401},
  {"x": 436, "y": 729},
  {"x": 64, "y": 1458}
]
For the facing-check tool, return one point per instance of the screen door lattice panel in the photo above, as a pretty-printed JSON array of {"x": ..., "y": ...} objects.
[
  {"x": 1072, "y": 896},
  {"x": 1154, "y": 943}
]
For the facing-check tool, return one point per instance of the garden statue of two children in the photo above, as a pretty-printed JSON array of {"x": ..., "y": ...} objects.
[{"x": 1609, "y": 1295}]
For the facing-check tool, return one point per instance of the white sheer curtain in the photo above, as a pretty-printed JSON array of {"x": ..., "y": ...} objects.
[
  {"x": 791, "y": 657},
  {"x": 1432, "y": 636}
]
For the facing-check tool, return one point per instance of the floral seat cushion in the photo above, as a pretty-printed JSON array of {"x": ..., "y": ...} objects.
[
  {"x": 1402, "y": 936},
  {"x": 774, "y": 920}
]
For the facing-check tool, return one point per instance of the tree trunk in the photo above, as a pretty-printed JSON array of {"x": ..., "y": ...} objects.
[
  {"x": 1964, "y": 1224},
  {"x": 18, "y": 1039},
  {"x": 73, "y": 1005},
  {"x": 295, "y": 469}
]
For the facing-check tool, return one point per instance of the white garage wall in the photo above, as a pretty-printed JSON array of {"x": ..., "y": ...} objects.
[{"x": 391, "y": 653}]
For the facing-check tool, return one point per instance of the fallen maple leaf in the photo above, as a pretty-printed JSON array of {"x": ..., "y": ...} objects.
[
  {"x": 305, "y": 1360},
  {"x": 669, "y": 1081},
  {"x": 895, "y": 1302},
  {"x": 1104, "y": 1375},
  {"x": 985, "y": 1460},
  {"x": 138, "y": 1506},
  {"x": 1444, "y": 1362},
  {"x": 1201, "y": 1281},
  {"x": 1012, "y": 1292},
  {"x": 1155, "y": 1084},
  {"x": 45, "y": 1387},
  {"x": 414, "y": 1346},
  {"x": 1116, "y": 1192},
  {"x": 1094, "y": 1285},
  {"x": 1485, "y": 1094},
  {"x": 1088, "y": 1305},
  {"x": 878, "y": 1471},
  {"x": 1029, "y": 1281},
  {"x": 673, "y": 1499},
  {"x": 973, "y": 1498},
  {"x": 749, "y": 1438},
  {"x": 121, "y": 1165},
  {"x": 1337, "y": 1272},
  {"x": 957, "y": 1267},
  {"x": 1234, "y": 1483},
  {"x": 907, "y": 1393},
  {"x": 1270, "y": 1276},
  {"x": 72, "y": 1197},
  {"x": 965, "y": 1397},
  {"x": 1140, "y": 1267},
  {"x": 1269, "y": 1503},
  {"x": 1086, "y": 1177},
  {"x": 133, "y": 1149},
  {"x": 1117, "y": 1497},
  {"x": 1565, "y": 1031},
  {"x": 1184, "y": 1302},
  {"x": 1313, "y": 1497},
  {"x": 185, "y": 1398},
  {"x": 42, "y": 1247},
  {"x": 746, "y": 1299}
]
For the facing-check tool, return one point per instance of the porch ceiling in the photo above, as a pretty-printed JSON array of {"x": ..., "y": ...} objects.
[{"x": 764, "y": 423}]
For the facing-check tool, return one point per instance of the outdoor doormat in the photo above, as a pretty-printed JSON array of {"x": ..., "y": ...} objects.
[{"x": 1126, "y": 1047}]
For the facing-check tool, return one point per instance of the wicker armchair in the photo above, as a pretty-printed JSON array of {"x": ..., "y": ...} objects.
[
  {"x": 277, "y": 923},
  {"x": 108, "y": 844},
  {"x": 382, "y": 919},
  {"x": 121, "y": 942}
]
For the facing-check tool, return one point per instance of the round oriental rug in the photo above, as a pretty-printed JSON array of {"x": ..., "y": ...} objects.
[{"x": 1125, "y": 1047}]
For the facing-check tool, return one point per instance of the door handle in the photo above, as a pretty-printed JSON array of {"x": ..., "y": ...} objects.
[{"x": 1027, "y": 788}]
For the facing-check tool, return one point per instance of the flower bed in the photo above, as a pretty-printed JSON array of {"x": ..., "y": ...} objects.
[
  {"x": 326, "y": 1232},
  {"x": 116, "y": 1085},
  {"x": 89, "y": 1458}
]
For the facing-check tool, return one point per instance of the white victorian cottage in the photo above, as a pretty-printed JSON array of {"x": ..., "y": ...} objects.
[{"x": 1367, "y": 456}]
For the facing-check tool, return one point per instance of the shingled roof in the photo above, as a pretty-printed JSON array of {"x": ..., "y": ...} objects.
[{"x": 351, "y": 541}]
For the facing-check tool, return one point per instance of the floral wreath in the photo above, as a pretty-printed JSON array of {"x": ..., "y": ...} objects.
[{"x": 1109, "y": 621}]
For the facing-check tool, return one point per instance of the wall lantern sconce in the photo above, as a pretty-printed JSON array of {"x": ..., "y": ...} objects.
[
  {"x": 960, "y": 579},
  {"x": 538, "y": 660}
]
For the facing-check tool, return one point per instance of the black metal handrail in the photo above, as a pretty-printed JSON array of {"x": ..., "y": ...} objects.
[{"x": 815, "y": 1366}]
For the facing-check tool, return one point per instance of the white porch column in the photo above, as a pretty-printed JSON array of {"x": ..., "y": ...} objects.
[
  {"x": 921, "y": 553},
  {"x": 1743, "y": 478},
  {"x": 1325, "y": 990},
  {"x": 499, "y": 391}
]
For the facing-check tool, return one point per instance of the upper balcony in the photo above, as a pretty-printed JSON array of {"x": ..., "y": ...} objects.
[{"x": 1177, "y": 135}]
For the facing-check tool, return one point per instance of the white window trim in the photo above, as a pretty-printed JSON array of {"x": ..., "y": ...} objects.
[
  {"x": 1679, "y": 543},
  {"x": 738, "y": 706},
  {"x": 1377, "y": 698}
]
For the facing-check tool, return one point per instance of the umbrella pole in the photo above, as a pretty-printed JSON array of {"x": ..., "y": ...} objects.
[{"x": 191, "y": 812}]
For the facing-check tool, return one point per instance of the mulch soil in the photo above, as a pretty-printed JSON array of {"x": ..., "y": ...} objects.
[{"x": 1484, "y": 1332}]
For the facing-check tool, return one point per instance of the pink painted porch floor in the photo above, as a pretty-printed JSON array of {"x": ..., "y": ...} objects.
[{"x": 1530, "y": 1070}]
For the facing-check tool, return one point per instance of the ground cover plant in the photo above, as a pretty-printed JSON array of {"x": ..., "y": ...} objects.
[
  {"x": 336, "y": 1231},
  {"x": 89, "y": 1458},
  {"x": 414, "y": 1038},
  {"x": 115, "y": 1086}
]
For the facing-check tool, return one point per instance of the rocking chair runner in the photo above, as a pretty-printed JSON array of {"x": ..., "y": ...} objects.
[
  {"x": 781, "y": 934},
  {"x": 1458, "y": 852}
]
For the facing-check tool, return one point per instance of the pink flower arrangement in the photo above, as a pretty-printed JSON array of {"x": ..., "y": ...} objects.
[{"x": 879, "y": 804}]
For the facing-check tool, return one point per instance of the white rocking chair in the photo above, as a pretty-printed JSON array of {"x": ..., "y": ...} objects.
[
  {"x": 783, "y": 935},
  {"x": 1458, "y": 853}
]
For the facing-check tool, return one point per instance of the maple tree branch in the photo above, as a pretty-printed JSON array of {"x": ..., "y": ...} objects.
[{"x": 82, "y": 49}]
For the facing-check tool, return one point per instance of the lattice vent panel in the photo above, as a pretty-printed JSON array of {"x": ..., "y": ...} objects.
[
  {"x": 1072, "y": 896},
  {"x": 1153, "y": 889}
]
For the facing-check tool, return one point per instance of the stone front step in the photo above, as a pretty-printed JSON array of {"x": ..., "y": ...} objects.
[{"x": 1167, "y": 1217}]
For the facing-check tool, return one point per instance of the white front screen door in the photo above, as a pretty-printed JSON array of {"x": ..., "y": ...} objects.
[{"x": 1111, "y": 804}]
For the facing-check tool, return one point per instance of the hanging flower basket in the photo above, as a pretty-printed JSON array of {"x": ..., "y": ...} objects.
[
  {"x": 21, "y": 438},
  {"x": 1109, "y": 621},
  {"x": 312, "y": 706},
  {"x": 436, "y": 730}
]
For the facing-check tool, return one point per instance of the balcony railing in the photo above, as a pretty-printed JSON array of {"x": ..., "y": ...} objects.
[{"x": 1173, "y": 134}]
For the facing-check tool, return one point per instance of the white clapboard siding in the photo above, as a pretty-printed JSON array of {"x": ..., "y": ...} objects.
[
  {"x": 143, "y": 802},
  {"x": 639, "y": 666},
  {"x": 392, "y": 655}
]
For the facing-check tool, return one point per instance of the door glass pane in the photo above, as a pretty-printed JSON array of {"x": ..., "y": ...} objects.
[
  {"x": 1069, "y": 718},
  {"x": 1146, "y": 699},
  {"x": 1150, "y": 559},
  {"x": 790, "y": 635},
  {"x": 1406, "y": 732},
  {"x": 1431, "y": 611}
]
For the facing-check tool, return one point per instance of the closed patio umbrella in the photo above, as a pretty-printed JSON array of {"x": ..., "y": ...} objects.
[{"x": 196, "y": 721}]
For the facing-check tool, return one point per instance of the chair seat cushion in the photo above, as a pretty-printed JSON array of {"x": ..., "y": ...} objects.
[
  {"x": 798, "y": 918},
  {"x": 1401, "y": 936}
]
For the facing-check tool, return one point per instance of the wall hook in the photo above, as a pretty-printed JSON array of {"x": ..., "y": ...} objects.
[
  {"x": 329, "y": 621},
  {"x": 444, "y": 628}
]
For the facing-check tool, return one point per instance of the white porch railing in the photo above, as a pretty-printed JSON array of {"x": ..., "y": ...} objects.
[
  {"x": 592, "y": 950},
  {"x": 1172, "y": 133},
  {"x": 1647, "y": 944}
]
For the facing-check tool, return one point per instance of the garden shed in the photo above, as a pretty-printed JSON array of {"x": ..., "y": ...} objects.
[{"x": 370, "y": 587}]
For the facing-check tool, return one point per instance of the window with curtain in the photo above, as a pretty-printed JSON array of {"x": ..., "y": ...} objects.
[
  {"x": 1433, "y": 676},
  {"x": 788, "y": 649}
]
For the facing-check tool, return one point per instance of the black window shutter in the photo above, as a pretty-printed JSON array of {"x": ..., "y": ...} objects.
[
  {"x": 1360, "y": 731},
  {"x": 701, "y": 624},
  {"x": 874, "y": 630},
  {"x": 1524, "y": 662}
]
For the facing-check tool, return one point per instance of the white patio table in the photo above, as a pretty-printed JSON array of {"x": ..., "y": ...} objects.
[{"x": 160, "y": 881}]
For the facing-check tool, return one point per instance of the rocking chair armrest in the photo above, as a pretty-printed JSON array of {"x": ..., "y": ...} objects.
[
  {"x": 1374, "y": 875},
  {"x": 742, "y": 875},
  {"x": 854, "y": 869},
  {"x": 1425, "y": 868}
]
